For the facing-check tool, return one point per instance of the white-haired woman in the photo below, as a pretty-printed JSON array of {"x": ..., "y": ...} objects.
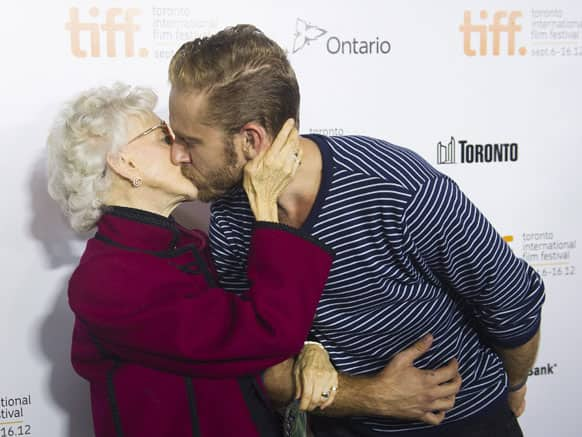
[{"x": 167, "y": 352}]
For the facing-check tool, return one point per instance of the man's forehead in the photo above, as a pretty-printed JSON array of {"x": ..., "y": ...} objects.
[
  {"x": 186, "y": 110},
  {"x": 182, "y": 100}
]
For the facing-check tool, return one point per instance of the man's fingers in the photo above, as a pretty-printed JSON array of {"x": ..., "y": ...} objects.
[
  {"x": 416, "y": 350},
  {"x": 433, "y": 418},
  {"x": 446, "y": 373},
  {"x": 518, "y": 411},
  {"x": 443, "y": 404},
  {"x": 516, "y": 401},
  {"x": 447, "y": 389},
  {"x": 521, "y": 409}
]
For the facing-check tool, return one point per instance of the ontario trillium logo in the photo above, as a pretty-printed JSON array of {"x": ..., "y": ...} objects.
[
  {"x": 306, "y": 33},
  {"x": 341, "y": 45}
]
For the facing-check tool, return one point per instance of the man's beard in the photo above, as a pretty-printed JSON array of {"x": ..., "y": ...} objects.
[{"x": 216, "y": 182}]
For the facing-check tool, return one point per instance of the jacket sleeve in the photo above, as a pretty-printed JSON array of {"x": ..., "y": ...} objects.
[
  {"x": 449, "y": 237},
  {"x": 187, "y": 327}
]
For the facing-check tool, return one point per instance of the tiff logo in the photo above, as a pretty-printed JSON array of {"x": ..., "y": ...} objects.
[
  {"x": 504, "y": 23},
  {"x": 116, "y": 21},
  {"x": 446, "y": 153}
]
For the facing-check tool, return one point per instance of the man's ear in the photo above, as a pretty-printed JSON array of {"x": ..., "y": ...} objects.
[
  {"x": 122, "y": 165},
  {"x": 254, "y": 139}
]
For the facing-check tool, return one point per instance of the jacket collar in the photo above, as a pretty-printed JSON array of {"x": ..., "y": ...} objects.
[{"x": 138, "y": 229}]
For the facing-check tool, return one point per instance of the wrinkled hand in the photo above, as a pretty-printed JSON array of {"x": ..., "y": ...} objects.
[
  {"x": 314, "y": 374},
  {"x": 516, "y": 401},
  {"x": 407, "y": 392},
  {"x": 267, "y": 175}
]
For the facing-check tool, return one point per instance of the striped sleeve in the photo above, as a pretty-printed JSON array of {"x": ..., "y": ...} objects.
[
  {"x": 452, "y": 240},
  {"x": 229, "y": 250}
]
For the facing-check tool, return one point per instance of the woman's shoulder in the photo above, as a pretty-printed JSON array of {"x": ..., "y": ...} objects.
[
  {"x": 194, "y": 236},
  {"x": 112, "y": 280},
  {"x": 104, "y": 265}
]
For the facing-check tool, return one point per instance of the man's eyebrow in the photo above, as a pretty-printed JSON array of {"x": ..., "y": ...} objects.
[{"x": 186, "y": 138}]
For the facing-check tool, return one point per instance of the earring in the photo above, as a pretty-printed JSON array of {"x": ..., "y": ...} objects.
[{"x": 136, "y": 182}]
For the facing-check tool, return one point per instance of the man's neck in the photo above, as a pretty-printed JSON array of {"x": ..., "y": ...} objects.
[{"x": 296, "y": 201}]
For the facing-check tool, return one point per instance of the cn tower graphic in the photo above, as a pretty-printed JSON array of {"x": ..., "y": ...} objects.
[{"x": 446, "y": 153}]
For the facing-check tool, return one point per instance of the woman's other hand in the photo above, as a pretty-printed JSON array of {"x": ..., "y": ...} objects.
[
  {"x": 316, "y": 380},
  {"x": 267, "y": 175}
]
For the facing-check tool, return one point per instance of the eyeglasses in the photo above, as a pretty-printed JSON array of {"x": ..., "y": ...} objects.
[{"x": 169, "y": 135}]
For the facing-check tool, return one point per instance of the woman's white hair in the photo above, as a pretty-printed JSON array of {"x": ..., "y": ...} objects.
[{"x": 87, "y": 128}]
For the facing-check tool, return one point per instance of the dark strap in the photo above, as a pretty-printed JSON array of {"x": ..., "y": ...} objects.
[
  {"x": 192, "y": 405},
  {"x": 261, "y": 413},
  {"x": 113, "y": 401}
]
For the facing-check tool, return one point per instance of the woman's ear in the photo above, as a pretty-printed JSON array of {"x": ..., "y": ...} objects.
[
  {"x": 254, "y": 139},
  {"x": 122, "y": 165}
]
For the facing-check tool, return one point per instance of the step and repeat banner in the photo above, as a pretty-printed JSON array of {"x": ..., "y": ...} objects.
[{"x": 489, "y": 92}]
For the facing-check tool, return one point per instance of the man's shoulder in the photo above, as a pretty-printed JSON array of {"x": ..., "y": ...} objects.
[
  {"x": 231, "y": 219},
  {"x": 361, "y": 145},
  {"x": 381, "y": 158},
  {"x": 234, "y": 202}
]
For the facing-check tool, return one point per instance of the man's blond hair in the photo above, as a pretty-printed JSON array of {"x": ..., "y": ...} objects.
[{"x": 245, "y": 76}]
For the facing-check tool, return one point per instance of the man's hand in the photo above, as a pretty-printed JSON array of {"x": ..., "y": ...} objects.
[
  {"x": 401, "y": 390},
  {"x": 518, "y": 361},
  {"x": 516, "y": 401}
]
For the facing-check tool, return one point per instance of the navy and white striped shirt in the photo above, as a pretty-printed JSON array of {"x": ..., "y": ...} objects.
[{"x": 413, "y": 256}]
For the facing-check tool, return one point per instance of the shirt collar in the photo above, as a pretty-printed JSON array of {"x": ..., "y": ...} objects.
[{"x": 138, "y": 229}]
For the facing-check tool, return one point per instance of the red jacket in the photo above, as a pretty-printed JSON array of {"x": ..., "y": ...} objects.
[{"x": 166, "y": 351}]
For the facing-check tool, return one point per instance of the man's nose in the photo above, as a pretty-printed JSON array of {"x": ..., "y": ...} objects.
[{"x": 180, "y": 154}]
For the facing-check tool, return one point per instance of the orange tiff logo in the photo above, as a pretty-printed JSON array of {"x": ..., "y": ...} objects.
[
  {"x": 116, "y": 21},
  {"x": 504, "y": 23}
]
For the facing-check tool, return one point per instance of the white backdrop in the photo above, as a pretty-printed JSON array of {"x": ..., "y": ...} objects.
[{"x": 467, "y": 75}]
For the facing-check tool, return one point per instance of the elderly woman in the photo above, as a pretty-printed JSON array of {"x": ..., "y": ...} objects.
[{"x": 166, "y": 351}]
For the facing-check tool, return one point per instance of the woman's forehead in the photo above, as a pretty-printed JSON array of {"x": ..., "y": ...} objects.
[{"x": 140, "y": 122}]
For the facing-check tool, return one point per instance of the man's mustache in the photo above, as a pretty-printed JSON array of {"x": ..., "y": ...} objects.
[{"x": 188, "y": 171}]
